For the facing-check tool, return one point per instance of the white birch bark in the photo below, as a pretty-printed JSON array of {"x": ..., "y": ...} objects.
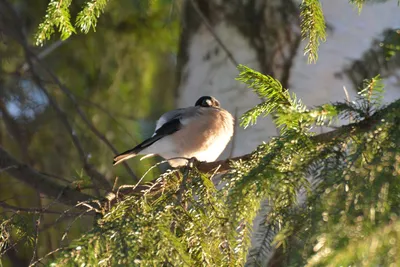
[{"x": 205, "y": 68}]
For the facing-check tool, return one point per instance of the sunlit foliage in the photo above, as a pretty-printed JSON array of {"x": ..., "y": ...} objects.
[
  {"x": 333, "y": 199},
  {"x": 188, "y": 222}
]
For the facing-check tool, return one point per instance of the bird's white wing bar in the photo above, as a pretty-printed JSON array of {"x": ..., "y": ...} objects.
[
  {"x": 201, "y": 131},
  {"x": 166, "y": 117}
]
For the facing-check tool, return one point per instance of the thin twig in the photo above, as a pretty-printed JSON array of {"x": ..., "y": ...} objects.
[
  {"x": 7, "y": 168},
  {"x": 234, "y": 133},
  {"x": 55, "y": 176},
  {"x": 71, "y": 223},
  {"x": 88, "y": 103},
  {"x": 32, "y": 210},
  {"x": 88, "y": 206},
  {"x": 214, "y": 34},
  {"x": 44, "y": 53},
  {"x": 48, "y": 254},
  {"x": 348, "y": 102},
  {"x": 20, "y": 37},
  {"x": 83, "y": 116},
  {"x": 115, "y": 184},
  {"x": 133, "y": 187},
  {"x": 40, "y": 182},
  {"x": 37, "y": 225},
  {"x": 63, "y": 118}
]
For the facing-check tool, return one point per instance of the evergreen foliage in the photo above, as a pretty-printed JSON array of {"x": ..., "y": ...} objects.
[
  {"x": 360, "y": 3},
  {"x": 87, "y": 18},
  {"x": 312, "y": 27},
  {"x": 104, "y": 78},
  {"x": 349, "y": 180},
  {"x": 187, "y": 222},
  {"x": 57, "y": 16}
]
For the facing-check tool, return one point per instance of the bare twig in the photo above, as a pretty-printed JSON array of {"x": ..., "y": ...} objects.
[
  {"x": 115, "y": 184},
  {"x": 7, "y": 168},
  {"x": 44, "y": 53},
  {"x": 34, "y": 210},
  {"x": 96, "y": 176},
  {"x": 37, "y": 225},
  {"x": 45, "y": 256},
  {"x": 56, "y": 177},
  {"x": 222, "y": 166},
  {"x": 87, "y": 102},
  {"x": 214, "y": 34},
  {"x": 17, "y": 33},
  {"x": 133, "y": 187},
  {"x": 41, "y": 183},
  {"x": 83, "y": 116},
  {"x": 71, "y": 223},
  {"x": 234, "y": 132},
  {"x": 348, "y": 102}
]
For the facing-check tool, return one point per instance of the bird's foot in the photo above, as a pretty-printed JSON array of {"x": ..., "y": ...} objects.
[{"x": 193, "y": 162}]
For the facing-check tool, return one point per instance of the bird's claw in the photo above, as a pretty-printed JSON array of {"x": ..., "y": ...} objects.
[{"x": 193, "y": 162}]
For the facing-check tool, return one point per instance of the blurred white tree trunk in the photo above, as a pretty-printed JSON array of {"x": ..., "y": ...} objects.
[
  {"x": 264, "y": 35},
  {"x": 255, "y": 35}
]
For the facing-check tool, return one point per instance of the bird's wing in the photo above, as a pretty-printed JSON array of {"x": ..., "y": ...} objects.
[
  {"x": 168, "y": 124},
  {"x": 169, "y": 116},
  {"x": 166, "y": 129}
]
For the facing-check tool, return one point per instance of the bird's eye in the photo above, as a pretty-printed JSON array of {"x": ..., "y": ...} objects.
[{"x": 207, "y": 103}]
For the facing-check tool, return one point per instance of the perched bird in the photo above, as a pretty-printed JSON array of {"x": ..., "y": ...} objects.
[{"x": 202, "y": 131}]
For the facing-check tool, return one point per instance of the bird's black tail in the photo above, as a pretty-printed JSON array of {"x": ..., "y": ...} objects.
[
  {"x": 134, "y": 151},
  {"x": 125, "y": 155}
]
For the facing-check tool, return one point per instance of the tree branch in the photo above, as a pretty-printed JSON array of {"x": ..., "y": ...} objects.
[
  {"x": 213, "y": 33},
  {"x": 39, "y": 182},
  {"x": 85, "y": 119},
  {"x": 12, "y": 20},
  {"x": 11, "y": 208},
  {"x": 90, "y": 170},
  {"x": 222, "y": 166}
]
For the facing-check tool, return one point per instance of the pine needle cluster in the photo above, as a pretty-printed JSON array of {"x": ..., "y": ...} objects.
[
  {"x": 58, "y": 17},
  {"x": 333, "y": 198},
  {"x": 348, "y": 179}
]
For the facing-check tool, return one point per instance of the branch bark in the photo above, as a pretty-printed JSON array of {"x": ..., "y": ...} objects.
[
  {"x": 46, "y": 185},
  {"x": 42, "y": 183},
  {"x": 85, "y": 119},
  {"x": 222, "y": 166},
  {"x": 11, "y": 19}
]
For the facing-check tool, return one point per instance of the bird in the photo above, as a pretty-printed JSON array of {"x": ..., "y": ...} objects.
[{"x": 201, "y": 131}]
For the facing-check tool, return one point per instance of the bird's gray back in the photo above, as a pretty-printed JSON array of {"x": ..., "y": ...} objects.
[{"x": 181, "y": 113}]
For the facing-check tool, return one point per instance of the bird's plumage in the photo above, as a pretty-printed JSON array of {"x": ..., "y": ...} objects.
[{"x": 202, "y": 131}]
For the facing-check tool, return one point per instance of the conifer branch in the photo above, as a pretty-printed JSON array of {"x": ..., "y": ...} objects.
[
  {"x": 223, "y": 166},
  {"x": 343, "y": 131},
  {"x": 57, "y": 16},
  {"x": 97, "y": 177},
  {"x": 312, "y": 27},
  {"x": 87, "y": 18},
  {"x": 36, "y": 210}
]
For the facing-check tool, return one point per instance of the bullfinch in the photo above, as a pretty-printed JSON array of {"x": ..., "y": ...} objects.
[{"x": 202, "y": 131}]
